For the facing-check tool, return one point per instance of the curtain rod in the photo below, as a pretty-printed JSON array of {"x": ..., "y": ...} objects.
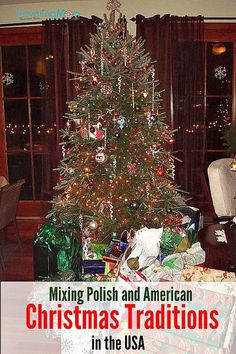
[
  {"x": 132, "y": 19},
  {"x": 20, "y": 24}
]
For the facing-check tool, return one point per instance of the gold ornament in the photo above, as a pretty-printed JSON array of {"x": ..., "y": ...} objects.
[
  {"x": 72, "y": 106},
  {"x": 133, "y": 263}
]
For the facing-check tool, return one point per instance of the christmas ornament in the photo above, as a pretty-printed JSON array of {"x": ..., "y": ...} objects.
[
  {"x": 111, "y": 211},
  {"x": 102, "y": 121},
  {"x": 106, "y": 89},
  {"x": 7, "y": 79},
  {"x": 94, "y": 81},
  {"x": 100, "y": 157},
  {"x": 153, "y": 88},
  {"x": 78, "y": 122},
  {"x": 101, "y": 208},
  {"x": 121, "y": 122},
  {"x": 220, "y": 72},
  {"x": 132, "y": 92},
  {"x": 83, "y": 132},
  {"x": 152, "y": 118},
  {"x": 81, "y": 219},
  {"x": 160, "y": 172},
  {"x": 135, "y": 204},
  {"x": 92, "y": 129},
  {"x": 145, "y": 94},
  {"x": 72, "y": 106},
  {"x": 131, "y": 167},
  {"x": 95, "y": 132},
  {"x": 133, "y": 263},
  {"x": 93, "y": 54},
  {"x": 91, "y": 182},
  {"x": 93, "y": 225},
  {"x": 86, "y": 232},
  {"x": 119, "y": 83}
]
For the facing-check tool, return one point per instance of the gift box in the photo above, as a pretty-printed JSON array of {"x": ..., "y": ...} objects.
[
  {"x": 93, "y": 266},
  {"x": 115, "y": 250},
  {"x": 57, "y": 252},
  {"x": 95, "y": 250}
]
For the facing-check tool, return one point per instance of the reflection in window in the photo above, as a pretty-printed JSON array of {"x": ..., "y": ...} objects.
[
  {"x": 17, "y": 124},
  {"x": 219, "y": 68},
  {"x": 14, "y": 71}
]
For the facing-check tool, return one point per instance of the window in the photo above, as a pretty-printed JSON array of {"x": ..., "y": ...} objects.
[
  {"x": 220, "y": 86},
  {"x": 24, "y": 95}
]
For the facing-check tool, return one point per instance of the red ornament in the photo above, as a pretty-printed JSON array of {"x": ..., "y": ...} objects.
[
  {"x": 160, "y": 172},
  {"x": 102, "y": 121},
  {"x": 91, "y": 182},
  {"x": 94, "y": 81},
  {"x": 69, "y": 152}
]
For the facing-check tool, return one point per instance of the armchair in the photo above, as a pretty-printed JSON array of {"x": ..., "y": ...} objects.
[
  {"x": 9, "y": 197},
  {"x": 222, "y": 183}
]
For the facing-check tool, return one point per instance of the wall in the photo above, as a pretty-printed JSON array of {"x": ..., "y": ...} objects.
[{"x": 227, "y": 8}]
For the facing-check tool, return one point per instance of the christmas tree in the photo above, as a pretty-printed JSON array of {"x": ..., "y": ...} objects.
[{"x": 117, "y": 170}]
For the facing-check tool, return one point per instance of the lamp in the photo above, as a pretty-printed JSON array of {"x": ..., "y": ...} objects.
[{"x": 233, "y": 165}]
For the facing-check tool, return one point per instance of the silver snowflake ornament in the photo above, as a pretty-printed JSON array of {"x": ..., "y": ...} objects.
[
  {"x": 220, "y": 72},
  {"x": 113, "y": 5},
  {"x": 7, "y": 79}
]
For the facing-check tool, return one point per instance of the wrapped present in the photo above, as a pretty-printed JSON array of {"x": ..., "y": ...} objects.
[
  {"x": 94, "y": 250},
  {"x": 93, "y": 266},
  {"x": 191, "y": 218},
  {"x": 141, "y": 253},
  {"x": 200, "y": 274},
  {"x": 57, "y": 251},
  {"x": 171, "y": 267},
  {"x": 114, "y": 251}
]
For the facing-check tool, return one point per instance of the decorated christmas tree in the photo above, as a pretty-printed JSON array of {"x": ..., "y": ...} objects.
[{"x": 117, "y": 170}]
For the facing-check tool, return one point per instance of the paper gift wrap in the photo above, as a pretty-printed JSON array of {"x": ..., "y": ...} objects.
[
  {"x": 200, "y": 274},
  {"x": 93, "y": 266}
]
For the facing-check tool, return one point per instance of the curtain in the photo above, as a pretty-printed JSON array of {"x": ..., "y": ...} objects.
[
  {"x": 62, "y": 42},
  {"x": 176, "y": 44}
]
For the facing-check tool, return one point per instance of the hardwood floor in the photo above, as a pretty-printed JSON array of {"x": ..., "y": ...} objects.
[{"x": 18, "y": 262}]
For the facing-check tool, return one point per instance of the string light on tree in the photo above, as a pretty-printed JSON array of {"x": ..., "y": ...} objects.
[{"x": 116, "y": 172}]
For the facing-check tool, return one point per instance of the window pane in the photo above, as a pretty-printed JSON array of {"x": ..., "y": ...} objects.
[
  {"x": 17, "y": 124},
  {"x": 38, "y": 87},
  {"x": 38, "y": 175},
  {"x": 14, "y": 71},
  {"x": 219, "y": 68},
  {"x": 44, "y": 133},
  {"x": 212, "y": 156},
  {"x": 218, "y": 117},
  {"x": 19, "y": 166}
]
